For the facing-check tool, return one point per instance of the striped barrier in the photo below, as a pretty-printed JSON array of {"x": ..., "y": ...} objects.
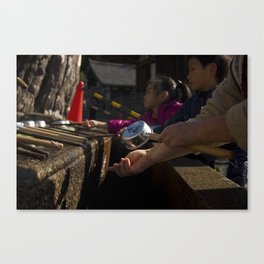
[
  {"x": 100, "y": 110},
  {"x": 115, "y": 104}
]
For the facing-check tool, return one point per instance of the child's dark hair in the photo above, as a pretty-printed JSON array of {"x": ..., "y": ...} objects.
[
  {"x": 221, "y": 62},
  {"x": 182, "y": 92},
  {"x": 176, "y": 90}
]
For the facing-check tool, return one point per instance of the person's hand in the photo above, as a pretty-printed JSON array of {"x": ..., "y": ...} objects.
[
  {"x": 181, "y": 134},
  {"x": 94, "y": 123},
  {"x": 120, "y": 132},
  {"x": 89, "y": 123},
  {"x": 134, "y": 163}
]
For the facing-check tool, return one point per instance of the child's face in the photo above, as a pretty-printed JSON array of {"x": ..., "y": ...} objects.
[
  {"x": 151, "y": 98},
  {"x": 199, "y": 78}
]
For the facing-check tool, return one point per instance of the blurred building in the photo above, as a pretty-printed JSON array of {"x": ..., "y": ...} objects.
[
  {"x": 123, "y": 78},
  {"x": 116, "y": 82},
  {"x": 149, "y": 66}
]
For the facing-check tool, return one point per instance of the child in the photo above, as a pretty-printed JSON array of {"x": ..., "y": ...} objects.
[
  {"x": 205, "y": 72},
  {"x": 160, "y": 101}
]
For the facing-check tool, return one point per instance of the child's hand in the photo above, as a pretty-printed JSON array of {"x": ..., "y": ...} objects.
[
  {"x": 120, "y": 132},
  {"x": 89, "y": 123},
  {"x": 94, "y": 123},
  {"x": 134, "y": 163}
]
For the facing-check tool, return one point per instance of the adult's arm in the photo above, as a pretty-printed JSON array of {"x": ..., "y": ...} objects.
[
  {"x": 203, "y": 132},
  {"x": 227, "y": 100},
  {"x": 139, "y": 160}
]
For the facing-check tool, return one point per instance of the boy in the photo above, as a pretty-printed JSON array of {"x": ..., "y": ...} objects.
[{"x": 205, "y": 72}]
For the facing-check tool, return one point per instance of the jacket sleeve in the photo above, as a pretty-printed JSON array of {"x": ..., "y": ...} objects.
[
  {"x": 115, "y": 125},
  {"x": 227, "y": 100},
  {"x": 179, "y": 116},
  {"x": 226, "y": 95},
  {"x": 236, "y": 119}
]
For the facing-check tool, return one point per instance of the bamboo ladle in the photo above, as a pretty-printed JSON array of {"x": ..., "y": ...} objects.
[{"x": 139, "y": 133}]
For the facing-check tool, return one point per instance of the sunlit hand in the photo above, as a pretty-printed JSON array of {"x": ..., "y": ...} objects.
[
  {"x": 134, "y": 163},
  {"x": 89, "y": 123},
  {"x": 94, "y": 123},
  {"x": 180, "y": 134}
]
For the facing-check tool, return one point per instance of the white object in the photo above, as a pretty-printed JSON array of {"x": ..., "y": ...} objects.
[
  {"x": 221, "y": 165},
  {"x": 40, "y": 123},
  {"x": 29, "y": 123},
  {"x": 136, "y": 134},
  {"x": 61, "y": 122},
  {"x": 20, "y": 124}
]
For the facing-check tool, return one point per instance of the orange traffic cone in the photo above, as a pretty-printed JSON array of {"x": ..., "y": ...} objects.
[{"x": 76, "y": 111}]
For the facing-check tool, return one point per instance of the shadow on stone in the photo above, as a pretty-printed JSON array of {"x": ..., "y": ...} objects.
[
  {"x": 228, "y": 198},
  {"x": 61, "y": 203},
  {"x": 32, "y": 193}
]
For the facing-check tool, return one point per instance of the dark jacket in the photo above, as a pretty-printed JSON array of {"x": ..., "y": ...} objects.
[{"x": 190, "y": 109}]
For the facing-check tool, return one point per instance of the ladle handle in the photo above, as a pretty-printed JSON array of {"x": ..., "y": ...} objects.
[
  {"x": 154, "y": 137},
  {"x": 41, "y": 142},
  {"x": 214, "y": 151}
]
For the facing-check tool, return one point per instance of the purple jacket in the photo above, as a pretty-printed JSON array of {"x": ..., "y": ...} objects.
[{"x": 165, "y": 112}]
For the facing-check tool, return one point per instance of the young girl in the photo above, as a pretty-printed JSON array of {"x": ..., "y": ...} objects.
[{"x": 160, "y": 101}]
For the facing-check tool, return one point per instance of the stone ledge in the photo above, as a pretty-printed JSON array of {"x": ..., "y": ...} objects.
[
  {"x": 190, "y": 184},
  {"x": 66, "y": 180},
  {"x": 183, "y": 183}
]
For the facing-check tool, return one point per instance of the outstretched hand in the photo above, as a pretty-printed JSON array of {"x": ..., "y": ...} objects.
[{"x": 134, "y": 163}]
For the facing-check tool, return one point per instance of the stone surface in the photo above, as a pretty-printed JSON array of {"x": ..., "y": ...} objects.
[
  {"x": 78, "y": 178},
  {"x": 59, "y": 182},
  {"x": 183, "y": 183},
  {"x": 215, "y": 190}
]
